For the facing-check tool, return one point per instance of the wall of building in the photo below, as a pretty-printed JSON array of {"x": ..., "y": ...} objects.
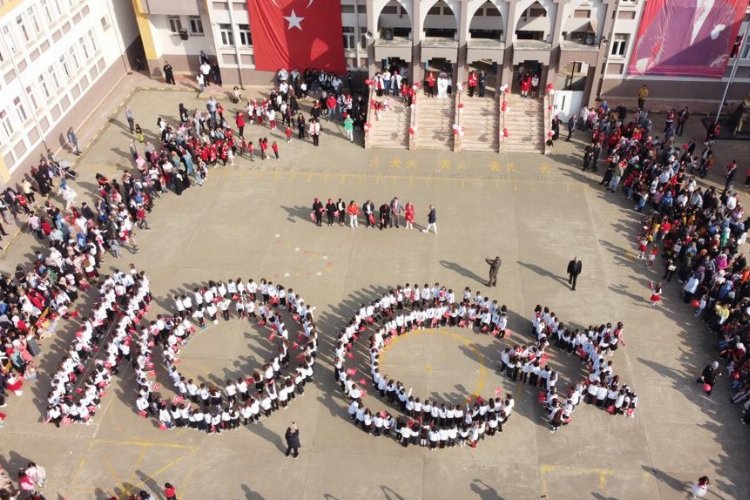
[{"x": 50, "y": 62}]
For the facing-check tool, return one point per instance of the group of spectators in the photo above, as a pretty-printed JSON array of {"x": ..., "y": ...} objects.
[
  {"x": 428, "y": 423},
  {"x": 696, "y": 230},
  {"x": 207, "y": 407},
  {"x": 387, "y": 215},
  {"x": 78, "y": 385}
]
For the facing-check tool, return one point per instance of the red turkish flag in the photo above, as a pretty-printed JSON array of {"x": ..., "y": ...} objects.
[{"x": 297, "y": 34}]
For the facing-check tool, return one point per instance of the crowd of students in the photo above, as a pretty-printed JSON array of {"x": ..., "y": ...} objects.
[
  {"x": 31, "y": 480},
  {"x": 102, "y": 342},
  {"x": 428, "y": 423},
  {"x": 697, "y": 231},
  {"x": 593, "y": 345},
  {"x": 207, "y": 407}
]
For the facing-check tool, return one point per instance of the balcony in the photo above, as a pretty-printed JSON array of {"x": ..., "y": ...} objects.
[
  {"x": 483, "y": 49},
  {"x": 531, "y": 50},
  {"x": 439, "y": 48},
  {"x": 399, "y": 47}
]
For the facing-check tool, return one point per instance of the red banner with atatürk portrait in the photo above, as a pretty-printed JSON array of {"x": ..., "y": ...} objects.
[
  {"x": 686, "y": 37},
  {"x": 297, "y": 34}
]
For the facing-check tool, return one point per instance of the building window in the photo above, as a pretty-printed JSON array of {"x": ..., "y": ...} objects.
[
  {"x": 227, "y": 37},
  {"x": 175, "y": 24},
  {"x": 21, "y": 22},
  {"x": 84, "y": 48},
  {"x": 7, "y": 123},
  {"x": 31, "y": 12},
  {"x": 32, "y": 97},
  {"x": 43, "y": 84},
  {"x": 746, "y": 52},
  {"x": 64, "y": 64},
  {"x": 196, "y": 25},
  {"x": 105, "y": 23},
  {"x": 619, "y": 45},
  {"x": 47, "y": 11},
  {"x": 246, "y": 39},
  {"x": 92, "y": 40},
  {"x": 53, "y": 73},
  {"x": 350, "y": 38},
  {"x": 9, "y": 41},
  {"x": 74, "y": 58},
  {"x": 22, "y": 116}
]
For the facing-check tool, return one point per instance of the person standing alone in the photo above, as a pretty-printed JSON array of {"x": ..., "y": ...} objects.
[
  {"x": 292, "y": 441},
  {"x": 168, "y": 73},
  {"x": 642, "y": 96},
  {"x": 494, "y": 267},
  {"x": 575, "y": 267},
  {"x": 431, "y": 221}
]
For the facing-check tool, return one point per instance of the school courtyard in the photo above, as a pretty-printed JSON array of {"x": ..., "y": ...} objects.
[{"x": 252, "y": 221}]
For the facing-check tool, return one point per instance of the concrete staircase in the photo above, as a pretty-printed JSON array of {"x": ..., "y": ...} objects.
[
  {"x": 391, "y": 130},
  {"x": 525, "y": 124},
  {"x": 481, "y": 124},
  {"x": 434, "y": 123}
]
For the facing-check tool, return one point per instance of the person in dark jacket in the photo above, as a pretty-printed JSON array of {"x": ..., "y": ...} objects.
[
  {"x": 292, "y": 441},
  {"x": 575, "y": 267},
  {"x": 494, "y": 267},
  {"x": 708, "y": 377}
]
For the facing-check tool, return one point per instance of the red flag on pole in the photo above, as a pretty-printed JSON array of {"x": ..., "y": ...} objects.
[{"x": 297, "y": 34}]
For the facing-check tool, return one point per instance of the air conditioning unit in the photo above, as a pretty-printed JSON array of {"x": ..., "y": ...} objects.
[
  {"x": 183, "y": 34},
  {"x": 388, "y": 34}
]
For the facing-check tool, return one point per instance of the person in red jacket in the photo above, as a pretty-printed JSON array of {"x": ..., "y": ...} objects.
[
  {"x": 169, "y": 492},
  {"x": 288, "y": 132},
  {"x": 472, "y": 83},
  {"x": 275, "y": 148},
  {"x": 240, "y": 121},
  {"x": 431, "y": 84}
]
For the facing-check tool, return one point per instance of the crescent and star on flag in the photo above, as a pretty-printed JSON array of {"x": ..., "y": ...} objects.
[{"x": 293, "y": 19}]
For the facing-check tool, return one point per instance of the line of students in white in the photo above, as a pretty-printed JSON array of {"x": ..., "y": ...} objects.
[
  {"x": 248, "y": 399},
  {"x": 430, "y": 423},
  {"x": 601, "y": 386},
  {"x": 123, "y": 295}
]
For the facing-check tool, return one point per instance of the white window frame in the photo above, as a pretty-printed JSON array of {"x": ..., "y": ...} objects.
[
  {"x": 34, "y": 19},
  {"x": 43, "y": 84},
  {"x": 47, "y": 11},
  {"x": 10, "y": 40},
  {"x": 245, "y": 35},
  {"x": 226, "y": 35},
  {"x": 22, "y": 29},
  {"x": 31, "y": 93},
  {"x": 619, "y": 45},
  {"x": 92, "y": 40},
  {"x": 65, "y": 66},
  {"x": 350, "y": 37},
  {"x": 23, "y": 117},
  {"x": 7, "y": 122},
  {"x": 196, "y": 25},
  {"x": 52, "y": 71},
  {"x": 175, "y": 24},
  {"x": 82, "y": 43},
  {"x": 74, "y": 57}
]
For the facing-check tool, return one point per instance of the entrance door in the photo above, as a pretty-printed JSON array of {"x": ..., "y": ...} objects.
[
  {"x": 529, "y": 68},
  {"x": 441, "y": 68}
]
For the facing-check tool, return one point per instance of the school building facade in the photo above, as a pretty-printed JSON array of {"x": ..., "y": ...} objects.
[
  {"x": 582, "y": 47},
  {"x": 58, "y": 60}
]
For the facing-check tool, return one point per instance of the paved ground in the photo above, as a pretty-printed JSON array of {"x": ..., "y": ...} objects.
[{"x": 535, "y": 212}]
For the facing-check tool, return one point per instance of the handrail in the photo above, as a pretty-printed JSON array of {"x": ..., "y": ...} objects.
[
  {"x": 411, "y": 142},
  {"x": 501, "y": 98},
  {"x": 547, "y": 120},
  {"x": 457, "y": 118},
  {"x": 368, "y": 141}
]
